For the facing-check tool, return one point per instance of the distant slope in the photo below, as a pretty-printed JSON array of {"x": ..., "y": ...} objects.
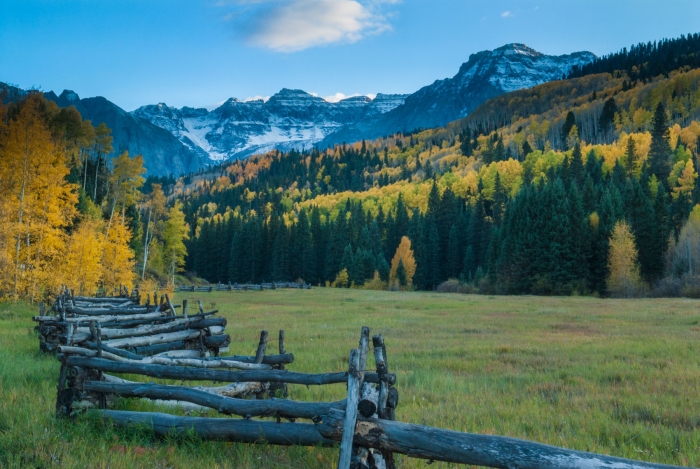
[
  {"x": 163, "y": 154},
  {"x": 487, "y": 74}
]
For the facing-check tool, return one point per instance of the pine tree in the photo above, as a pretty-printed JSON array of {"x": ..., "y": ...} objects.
[
  {"x": 576, "y": 170},
  {"x": 631, "y": 161},
  {"x": 660, "y": 151},
  {"x": 569, "y": 123},
  {"x": 401, "y": 276}
]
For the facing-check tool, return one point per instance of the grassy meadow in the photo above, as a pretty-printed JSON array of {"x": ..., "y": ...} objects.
[{"x": 620, "y": 377}]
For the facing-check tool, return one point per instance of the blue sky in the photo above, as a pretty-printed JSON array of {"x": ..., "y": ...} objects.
[{"x": 201, "y": 52}]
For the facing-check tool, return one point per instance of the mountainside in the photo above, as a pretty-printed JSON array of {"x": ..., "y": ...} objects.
[
  {"x": 487, "y": 74},
  {"x": 289, "y": 119},
  {"x": 163, "y": 154},
  {"x": 294, "y": 119},
  {"x": 176, "y": 141}
]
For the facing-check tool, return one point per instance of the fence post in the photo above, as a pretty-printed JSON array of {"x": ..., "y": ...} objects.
[
  {"x": 354, "y": 380},
  {"x": 382, "y": 371},
  {"x": 360, "y": 454}
]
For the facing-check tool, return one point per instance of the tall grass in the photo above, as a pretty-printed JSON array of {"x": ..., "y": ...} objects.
[{"x": 613, "y": 376}]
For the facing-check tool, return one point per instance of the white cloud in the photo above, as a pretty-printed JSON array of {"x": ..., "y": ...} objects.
[
  {"x": 334, "y": 98},
  {"x": 506, "y": 14},
  {"x": 294, "y": 25},
  {"x": 255, "y": 98}
]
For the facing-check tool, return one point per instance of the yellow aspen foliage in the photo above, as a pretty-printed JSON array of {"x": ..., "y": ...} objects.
[
  {"x": 125, "y": 181},
  {"x": 36, "y": 203},
  {"x": 117, "y": 257},
  {"x": 83, "y": 258},
  {"x": 405, "y": 254},
  {"x": 686, "y": 181},
  {"x": 342, "y": 280},
  {"x": 174, "y": 232},
  {"x": 624, "y": 279}
]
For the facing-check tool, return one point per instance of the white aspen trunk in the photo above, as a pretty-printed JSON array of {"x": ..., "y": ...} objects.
[
  {"x": 97, "y": 167},
  {"x": 146, "y": 243},
  {"x": 20, "y": 217}
]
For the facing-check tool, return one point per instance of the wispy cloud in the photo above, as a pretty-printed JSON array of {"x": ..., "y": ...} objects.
[
  {"x": 294, "y": 25},
  {"x": 506, "y": 14},
  {"x": 256, "y": 98}
]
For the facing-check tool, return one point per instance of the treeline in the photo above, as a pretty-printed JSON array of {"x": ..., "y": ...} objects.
[
  {"x": 520, "y": 230},
  {"x": 68, "y": 215},
  {"x": 647, "y": 60}
]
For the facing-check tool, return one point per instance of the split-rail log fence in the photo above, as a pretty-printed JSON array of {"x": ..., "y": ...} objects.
[
  {"x": 362, "y": 425},
  {"x": 123, "y": 327},
  {"x": 242, "y": 287}
]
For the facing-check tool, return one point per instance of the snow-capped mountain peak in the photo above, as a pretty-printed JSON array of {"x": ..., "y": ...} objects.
[
  {"x": 293, "y": 118},
  {"x": 288, "y": 119}
]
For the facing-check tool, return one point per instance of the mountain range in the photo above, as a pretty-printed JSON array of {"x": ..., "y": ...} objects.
[{"x": 176, "y": 141}]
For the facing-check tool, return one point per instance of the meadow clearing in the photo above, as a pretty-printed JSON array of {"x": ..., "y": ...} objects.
[{"x": 620, "y": 377}]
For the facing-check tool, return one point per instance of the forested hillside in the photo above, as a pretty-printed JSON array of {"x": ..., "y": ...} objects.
[
  {"x": 70, "y": 217},
  {"x": 582, "y": 185}
]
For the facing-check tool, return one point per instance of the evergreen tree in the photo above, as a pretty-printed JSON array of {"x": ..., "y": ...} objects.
[
  {"x": 660, "y": 151},
  {"x": 576, "y": 171},
  {"x": 631, "y": 161},
  {"x": 401, "y": 274},
  {"x": 569, "y": 123}
]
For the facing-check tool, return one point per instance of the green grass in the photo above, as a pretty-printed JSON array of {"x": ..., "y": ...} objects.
[{"x": 620, "y": 377}]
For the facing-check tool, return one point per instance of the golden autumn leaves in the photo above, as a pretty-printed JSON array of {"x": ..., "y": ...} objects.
[{"x": 45, "y": 241}]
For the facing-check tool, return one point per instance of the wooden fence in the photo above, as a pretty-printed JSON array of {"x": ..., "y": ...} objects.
[
  {"x": 123, "y": 327},
  {"x": 362, "y": 425},
  {"x": 242, "y": 287}
]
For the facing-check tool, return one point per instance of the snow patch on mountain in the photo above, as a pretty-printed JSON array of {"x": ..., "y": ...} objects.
[{"x": 289, "y": 119}]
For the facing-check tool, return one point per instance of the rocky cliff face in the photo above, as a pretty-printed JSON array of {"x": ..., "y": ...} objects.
[
  {"x": 162, "y": 152},
  {"x": 487, "y": 74},
  {"x": 289, "y": 119}
]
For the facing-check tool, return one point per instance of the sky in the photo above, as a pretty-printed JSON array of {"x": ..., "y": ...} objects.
[{"x": 199, "y": 53}]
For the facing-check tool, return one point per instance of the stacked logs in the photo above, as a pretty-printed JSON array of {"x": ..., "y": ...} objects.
[{"x": 120, "y": 326}]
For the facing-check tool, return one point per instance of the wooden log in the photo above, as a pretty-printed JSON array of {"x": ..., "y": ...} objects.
[
  {"x": 354, "y": 383},
  {"x": 416, "y": 441},
  {"x": 246, "y": 431},
  {"x": 225, "y": 405},
  {"x": 281, "y": 359},
  {"x": 184, "y": 308},
  {"x": 368, "y": 400},
  {"x": 184, "y": 354},
  {"x": 170, "y": 361},
  {"x": 101, "y": 319},
  {"x": 230, "y": 390},
  {"x": 419, "y": 441},
  {"x": 172, "y": 326},
  {"x": 155, "y": 339},
  {"x": 187, "y": 373},
  {"x": 115, "y": 351},
  {"x": 262, "y": 345},
  {"x": 90, "y": 299},
  {"x": 107, "y": 311}
]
